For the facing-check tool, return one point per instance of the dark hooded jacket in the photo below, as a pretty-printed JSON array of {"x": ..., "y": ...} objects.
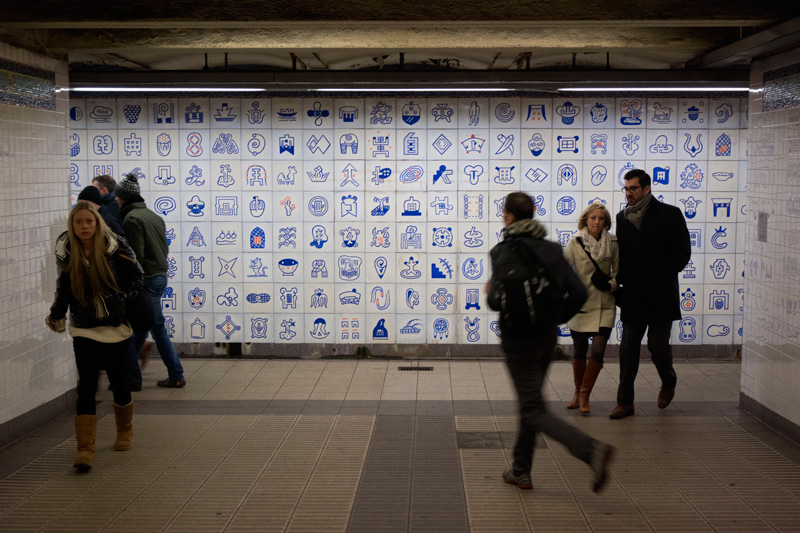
[
  {"x": 109, "y": 310},
  {"x": 113, "y": 223},
  {"x": 109, "y": 202},
  {"x": 530, "y": 234}
]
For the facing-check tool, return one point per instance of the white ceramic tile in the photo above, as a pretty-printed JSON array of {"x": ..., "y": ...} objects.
[{"x": 36, "y": 365}]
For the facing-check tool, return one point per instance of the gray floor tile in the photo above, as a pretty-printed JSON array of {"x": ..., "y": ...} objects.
[{"x": 225, "y": 464}]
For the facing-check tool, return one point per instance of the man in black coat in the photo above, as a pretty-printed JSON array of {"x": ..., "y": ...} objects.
[
  {"x": 106, "y": 185},
  {"x": 529, "y": 352},
  {"x": 654, "y": 247}
]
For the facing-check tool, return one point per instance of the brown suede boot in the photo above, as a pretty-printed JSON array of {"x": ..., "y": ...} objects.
[
  {"x": 578, "y": 369},
  {"x": 85, "y": 431},
  {"x": 124, "y": 416},
  {"x": 593, "y": 369}
]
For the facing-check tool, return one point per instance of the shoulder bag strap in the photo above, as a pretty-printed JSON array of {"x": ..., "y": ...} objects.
[{"x": 596, "y": 266}]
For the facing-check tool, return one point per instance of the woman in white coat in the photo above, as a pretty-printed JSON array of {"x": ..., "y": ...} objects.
[{"x": 593, "y": 245}]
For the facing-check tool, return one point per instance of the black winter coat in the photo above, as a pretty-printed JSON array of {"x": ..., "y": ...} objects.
[
  {"x": 126, "y": 271},
  {"x": 650, "y": 259},
  {"x": 113, "y": 223},
  {"x": 112, "y": 207},
  {"x": 552, "y": 259}
]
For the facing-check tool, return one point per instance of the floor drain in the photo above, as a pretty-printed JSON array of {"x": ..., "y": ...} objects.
[{"x": 415, "y": 368}]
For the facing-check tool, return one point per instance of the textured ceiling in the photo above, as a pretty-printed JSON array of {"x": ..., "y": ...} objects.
[{"x": 374, "y": 35}]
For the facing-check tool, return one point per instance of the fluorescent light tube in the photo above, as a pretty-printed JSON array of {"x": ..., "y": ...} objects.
[
  {"x": 415, "y": 89},
  {"x": 654, "y": 89},
  {"x": 165, "y": 90}
]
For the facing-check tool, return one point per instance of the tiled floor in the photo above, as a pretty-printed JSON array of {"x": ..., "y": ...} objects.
[{"x": 360, "y": 446}]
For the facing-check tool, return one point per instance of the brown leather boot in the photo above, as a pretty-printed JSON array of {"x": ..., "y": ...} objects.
[
  {"x": 593, "y": 369},
  {"x": 124, "y": 417},
  {"x": 578, "y": 368},
  {"x": 85, "y": 431}
]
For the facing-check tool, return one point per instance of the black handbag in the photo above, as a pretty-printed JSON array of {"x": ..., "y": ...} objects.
[
  {"x": 139, "y": 313},
  {"x": 599, "y": 278}
]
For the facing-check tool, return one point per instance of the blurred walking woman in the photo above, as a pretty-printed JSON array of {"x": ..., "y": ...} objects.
[
  {"x": 594, "y": 254},
  {"x": 97, "y": 274}
]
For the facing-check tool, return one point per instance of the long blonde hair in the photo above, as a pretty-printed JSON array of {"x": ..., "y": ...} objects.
[{"x": 89, "y": 275}]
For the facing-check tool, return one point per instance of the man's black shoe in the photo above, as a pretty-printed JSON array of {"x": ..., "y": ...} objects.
[
  {"x": 171, "y": 384},
  {"x": 621, "y": 411},
  {"x": 522, "y": 481},
  {"x": 665, "y": 396}
]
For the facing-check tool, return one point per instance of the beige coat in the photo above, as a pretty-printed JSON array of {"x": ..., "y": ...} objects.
[{"x": 599, "y": 310}]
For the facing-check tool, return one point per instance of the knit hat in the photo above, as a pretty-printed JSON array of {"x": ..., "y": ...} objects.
[
  {"x": 91, "y": 194},
  {"x": 128, "y": 189}
]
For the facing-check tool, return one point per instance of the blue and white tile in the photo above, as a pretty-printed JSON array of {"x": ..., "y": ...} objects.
[
  {"x": 256, "y": 113},
  {"x": 568, "y": 113},
  {"x": 693, "y": 113},
  {"x": 259, "y": 327},
  {"x": 472, "y": 113},
  {"x": 163, "y": 113},
  {"x": 317, "y": 113},
  {"x": 537, "y": 113},
  {"x": 348, "y": 113},
  {"x": 225, "y": 113},
  {"x": 472, "y": 329},
  {"x": 380, "y": 113},
  {"x": 599, "y": 113}
]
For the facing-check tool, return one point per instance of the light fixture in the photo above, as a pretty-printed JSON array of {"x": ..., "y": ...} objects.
[
  {"x": 413, "y": 90},
  {"x": 165, "y": 89},
  {"x": 654, "y": 89}
]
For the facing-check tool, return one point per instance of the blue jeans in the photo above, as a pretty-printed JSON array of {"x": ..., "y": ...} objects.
[{"x": 156, "y": 286}]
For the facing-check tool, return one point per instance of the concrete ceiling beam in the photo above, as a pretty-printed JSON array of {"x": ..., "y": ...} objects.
[
  {"x": 783, "y": 36},
  {"x": 741, "y": 12},
  {"x": 388, "y": 40}
]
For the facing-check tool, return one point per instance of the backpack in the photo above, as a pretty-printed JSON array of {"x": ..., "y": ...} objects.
[{"x": 527, "y": 293}]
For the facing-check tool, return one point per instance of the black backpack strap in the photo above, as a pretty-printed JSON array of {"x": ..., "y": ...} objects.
[{"x": 541, "y": 268}]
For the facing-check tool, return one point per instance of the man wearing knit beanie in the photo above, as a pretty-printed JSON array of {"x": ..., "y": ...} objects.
[
  {"x": 146, "y": 234},
  {"x": 91, "y": 195}
]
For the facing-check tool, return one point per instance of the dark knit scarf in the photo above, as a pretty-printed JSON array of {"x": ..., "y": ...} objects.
[{"x": 635, "y": 213}]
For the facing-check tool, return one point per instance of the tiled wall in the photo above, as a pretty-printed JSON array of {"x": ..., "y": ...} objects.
[
  {"x": 771, "y": 354},
  {"x": 313, "y": 220},
  {"x": 36, "y": 366}
]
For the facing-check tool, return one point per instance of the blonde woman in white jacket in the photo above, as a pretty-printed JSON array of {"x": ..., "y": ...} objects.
[{"x": 596, "y": 317}]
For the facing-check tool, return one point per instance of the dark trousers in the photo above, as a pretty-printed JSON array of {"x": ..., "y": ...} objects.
[
  {"x": 629, "y": 353},
  {"x": 528, "y": 371},
  {"x": 91, "y": 357},
  {"x": 133, "y": 372}
]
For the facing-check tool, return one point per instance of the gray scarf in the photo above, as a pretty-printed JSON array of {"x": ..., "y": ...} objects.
[
  {"x": 529, "y": 226},
  {"x": 599, "y": 248},
  {"x": 635, "y": 213}
]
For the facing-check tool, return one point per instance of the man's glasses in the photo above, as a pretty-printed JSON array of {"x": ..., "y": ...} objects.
[{"x": 633, "y": 188}]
